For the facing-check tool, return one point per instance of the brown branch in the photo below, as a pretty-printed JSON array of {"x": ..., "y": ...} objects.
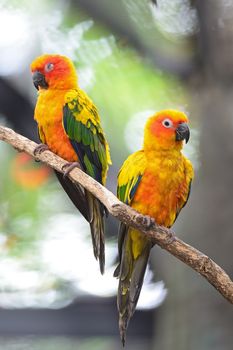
[{"x": 158, "y": 234}]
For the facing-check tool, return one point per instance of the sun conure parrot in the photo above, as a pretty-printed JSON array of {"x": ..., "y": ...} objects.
[
  {"x": 69, "y": 126},
  {"x": 155, "y": 181}
]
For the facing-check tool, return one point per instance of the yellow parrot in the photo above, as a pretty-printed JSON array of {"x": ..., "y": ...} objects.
[
  {"x": 69, "y": 126},
  {"x": 155, "y": 181}
]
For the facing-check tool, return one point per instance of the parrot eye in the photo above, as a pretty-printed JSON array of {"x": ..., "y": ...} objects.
[
  {"x": 49, "y": 67},
  {"x": 167, "y": 123}
]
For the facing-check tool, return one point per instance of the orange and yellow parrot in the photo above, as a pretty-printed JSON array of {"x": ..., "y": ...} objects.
[
  {"x": 155, "y": 181},
  {"x": 69, "y": 126}
]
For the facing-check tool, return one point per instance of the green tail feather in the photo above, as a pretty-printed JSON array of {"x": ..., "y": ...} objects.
[
  {"x": 131, "y": 274},
  {"x": 97, "y": 229}
]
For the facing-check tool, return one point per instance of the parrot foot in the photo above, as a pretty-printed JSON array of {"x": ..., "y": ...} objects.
[
  {"x": 146, "y": 220},
  {"x": 40, "y": 149},
  {"x": 70, "y": 166}
]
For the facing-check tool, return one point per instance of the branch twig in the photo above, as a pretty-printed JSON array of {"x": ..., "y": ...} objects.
[{"x": 158, "y": 234}]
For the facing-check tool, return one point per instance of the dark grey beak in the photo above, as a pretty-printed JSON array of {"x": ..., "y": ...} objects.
[
  {"x": 182, "y": 132},
  {"x": 39, "y": 80}
]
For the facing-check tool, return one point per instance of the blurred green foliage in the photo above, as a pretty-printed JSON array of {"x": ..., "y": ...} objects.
[{"x": 21, "y": 208}]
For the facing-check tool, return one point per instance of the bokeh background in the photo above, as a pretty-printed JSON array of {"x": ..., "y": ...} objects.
[{"x": 133, "y": 58}]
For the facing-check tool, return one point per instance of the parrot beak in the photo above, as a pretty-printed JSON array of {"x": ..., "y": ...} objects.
[
  {"x": 39, "y": 80},
  {"x": 182, "y": 132}
]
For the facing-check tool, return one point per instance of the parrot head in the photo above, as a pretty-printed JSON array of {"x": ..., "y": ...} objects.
[
  {"x": 166, "y": 129},
  {"x": 53, "y": 72}
]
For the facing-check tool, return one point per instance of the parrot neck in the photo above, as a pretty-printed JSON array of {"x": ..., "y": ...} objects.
[
  {"x": 64, "y": 84},
  {"x": 163, "y": 153},
  {"x": 163, "y": 146}
]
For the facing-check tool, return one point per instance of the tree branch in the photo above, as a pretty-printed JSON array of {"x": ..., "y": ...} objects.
[{"x": 158, "y": 234}]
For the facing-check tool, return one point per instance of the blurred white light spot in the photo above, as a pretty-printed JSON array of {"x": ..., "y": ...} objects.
[
  {"x": 13, "y": 275},
  {"x": 102, "y": 286},
  {"x": 176, "y": 17},
  {"x": 67, "y": 248},
  {"x": 135, "y": 128},
  {"x": 3, "y": 240},
  {"x": 67, "y": 252},
  {"x": 70, "y": 42},
  {"x": 152, "y": 295},
  {"x": 15, "y": 40},
  {"x": 55, "y": 40},
  {"x": 86, "y": 78}
]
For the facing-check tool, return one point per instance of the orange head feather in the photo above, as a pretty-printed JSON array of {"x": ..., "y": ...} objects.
[
  {"x": 165, "y": 130},
  {"x": 54, "y": 72}
]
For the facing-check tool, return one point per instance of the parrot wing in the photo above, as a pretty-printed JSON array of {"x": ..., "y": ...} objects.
[
  {"x": 81, "y": 123},
  {"x": 129, "y": 178},
  {"x": 133, "y": 249}
]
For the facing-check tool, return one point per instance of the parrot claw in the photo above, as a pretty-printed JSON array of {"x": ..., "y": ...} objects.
[
  {"x": 146, "y": 220},
  {"x": 40, "y": 149},
  {"x": 70, "y": 166}
]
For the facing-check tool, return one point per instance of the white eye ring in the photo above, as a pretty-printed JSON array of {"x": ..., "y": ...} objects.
[
  {"x": 167, "y": 123},
  {"x": 49, "y": 67}
]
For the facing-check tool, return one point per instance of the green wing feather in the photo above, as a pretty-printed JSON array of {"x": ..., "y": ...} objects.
[
  {"x": 130, "y": 271},
  {"x": 129, "y": 176},
  {"x": 82, "y": 125}
]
